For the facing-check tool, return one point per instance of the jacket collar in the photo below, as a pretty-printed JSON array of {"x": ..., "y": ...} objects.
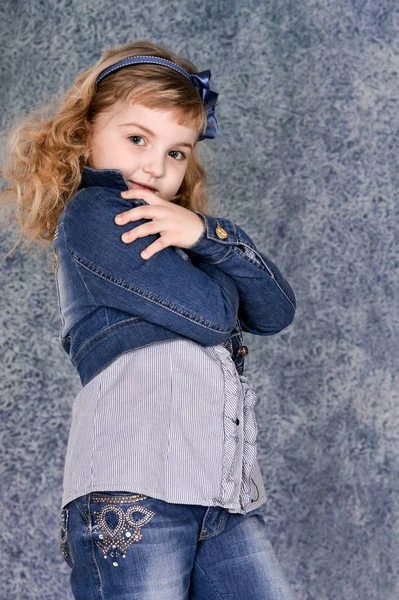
[{"x": 110, "y": 178}]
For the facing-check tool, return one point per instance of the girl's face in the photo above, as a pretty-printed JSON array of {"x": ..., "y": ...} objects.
[{"x": 147, "y": 145}]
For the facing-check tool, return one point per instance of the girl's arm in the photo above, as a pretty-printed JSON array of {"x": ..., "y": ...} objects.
[
  {"x": 165, "y": 289},
  {"x": 267, "y": 301}
]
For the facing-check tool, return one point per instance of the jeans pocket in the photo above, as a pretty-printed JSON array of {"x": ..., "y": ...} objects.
[
  {"x": 64, "y": 541},
  {"x": 118, "y": 518}
]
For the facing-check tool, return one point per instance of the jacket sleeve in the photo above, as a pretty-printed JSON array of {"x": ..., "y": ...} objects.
[
  {"x": 164, "y": 289},
  {"x": 267, "y": 302}
]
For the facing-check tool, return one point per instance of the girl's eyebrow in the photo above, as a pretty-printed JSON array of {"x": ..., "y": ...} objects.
[{"x": 152, "y": 133}]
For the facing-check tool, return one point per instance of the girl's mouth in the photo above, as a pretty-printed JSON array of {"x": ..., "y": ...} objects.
[{"x": 142, "y": 187}]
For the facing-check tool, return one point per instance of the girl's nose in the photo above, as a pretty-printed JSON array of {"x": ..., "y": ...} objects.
[{"x": 154, "y": 164}]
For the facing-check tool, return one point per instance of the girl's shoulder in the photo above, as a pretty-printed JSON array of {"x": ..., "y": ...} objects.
[{"x": 100, "y": 202}]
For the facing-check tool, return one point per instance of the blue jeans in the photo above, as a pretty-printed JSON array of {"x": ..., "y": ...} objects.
[{"x": 129, "y": 546}]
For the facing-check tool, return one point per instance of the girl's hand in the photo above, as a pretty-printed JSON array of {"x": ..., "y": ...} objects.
[{"x": 177, "y": 226}]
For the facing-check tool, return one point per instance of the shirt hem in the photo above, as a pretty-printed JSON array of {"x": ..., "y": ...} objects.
[{"x": 138, "y": 489}]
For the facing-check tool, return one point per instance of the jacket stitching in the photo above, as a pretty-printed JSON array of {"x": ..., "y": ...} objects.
[
  {"x": 150, "y": 297},
  {"x": 106, "y": 328},
  {"x": 247, "y": 258}
]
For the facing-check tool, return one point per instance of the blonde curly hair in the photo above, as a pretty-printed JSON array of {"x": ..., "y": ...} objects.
[{"x": 48, "y": 149}]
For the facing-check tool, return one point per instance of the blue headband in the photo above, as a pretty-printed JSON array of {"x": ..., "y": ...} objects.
[{"x": 199, "y": 80}]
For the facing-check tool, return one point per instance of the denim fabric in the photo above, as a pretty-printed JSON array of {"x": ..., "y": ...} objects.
[
  {"x": 125, "y": 546},
  {"x": 111, "y": 300}
]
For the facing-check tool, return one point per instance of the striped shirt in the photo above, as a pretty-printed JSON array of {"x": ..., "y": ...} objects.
[{"x": 172, "y": 420}]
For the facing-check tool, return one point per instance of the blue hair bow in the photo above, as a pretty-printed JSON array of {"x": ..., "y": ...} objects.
[{"x": 209, "y": 99}]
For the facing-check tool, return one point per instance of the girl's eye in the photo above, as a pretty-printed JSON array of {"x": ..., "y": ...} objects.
[
  {"x": 135, "y": 137},
  {"x": 179, "y": 152}
]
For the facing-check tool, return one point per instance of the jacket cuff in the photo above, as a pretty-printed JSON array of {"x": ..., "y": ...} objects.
[{"x": 221, "y": 231}]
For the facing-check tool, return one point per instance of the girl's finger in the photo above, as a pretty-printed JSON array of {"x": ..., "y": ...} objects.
[
  {"x": 136, "y": 193},
  {"x": 130, "y": 215},
  {"x": 153, "y": 249},
  {"x": 145, "y": 211},
  {"x": 140, "y": 194},
  {"x": 140, "y": 231}
]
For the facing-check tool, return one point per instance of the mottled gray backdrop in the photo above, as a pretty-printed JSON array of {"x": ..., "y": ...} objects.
[{"x": 306, "y": 161}]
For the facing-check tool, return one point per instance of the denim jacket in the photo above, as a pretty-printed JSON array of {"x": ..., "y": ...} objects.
[{"x": 112, "y": 301}]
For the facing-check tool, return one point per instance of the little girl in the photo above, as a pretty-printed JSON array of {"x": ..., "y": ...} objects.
[{"x": 162, "y": 488}]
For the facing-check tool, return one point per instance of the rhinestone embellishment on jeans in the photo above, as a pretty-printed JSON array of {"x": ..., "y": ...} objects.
[{"x": 114, "y": 539}]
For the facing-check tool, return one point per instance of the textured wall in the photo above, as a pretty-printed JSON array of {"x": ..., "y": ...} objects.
[{"x": 308, "y": 117}]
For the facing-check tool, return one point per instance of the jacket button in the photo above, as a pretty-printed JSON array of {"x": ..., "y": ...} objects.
[
  {"x": 237, "y": 421},
  {"x": 242, "y": 350},
  {"x": 220, "y": 232}
]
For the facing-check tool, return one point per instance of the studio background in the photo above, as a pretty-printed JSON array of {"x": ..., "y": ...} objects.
[{"x": 306, "y": 161}]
